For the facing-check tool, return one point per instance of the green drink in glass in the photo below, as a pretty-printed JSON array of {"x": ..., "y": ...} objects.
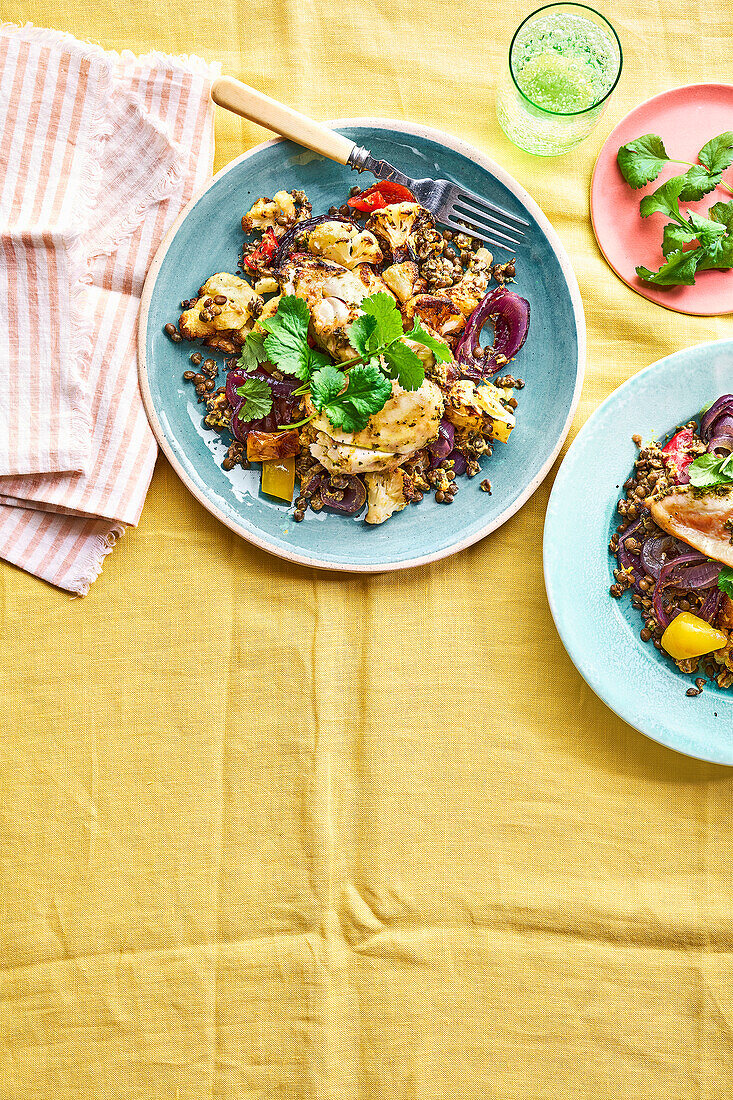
[{"x": 564, "y": 62}]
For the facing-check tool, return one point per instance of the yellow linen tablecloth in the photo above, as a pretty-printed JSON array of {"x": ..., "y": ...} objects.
[{"x": 270, "y": 833}]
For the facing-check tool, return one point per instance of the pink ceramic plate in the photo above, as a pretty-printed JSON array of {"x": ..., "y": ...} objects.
[{"x": 685, "y": 118}]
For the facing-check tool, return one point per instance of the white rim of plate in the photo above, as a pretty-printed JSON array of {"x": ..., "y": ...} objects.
[
  {"x": 624, "y": 713},
  {"x": 529, "y": 203}
]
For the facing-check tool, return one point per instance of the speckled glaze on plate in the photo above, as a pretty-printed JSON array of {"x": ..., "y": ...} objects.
[
  {"x": 685, "y": 118},
  {"x": 601, "y": 634},
  {"x": 207, "y": 238}
]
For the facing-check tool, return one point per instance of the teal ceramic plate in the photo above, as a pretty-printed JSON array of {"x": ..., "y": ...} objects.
[
  {"x": 601, "y": 634},
  {"x": 207, "y": 238}
]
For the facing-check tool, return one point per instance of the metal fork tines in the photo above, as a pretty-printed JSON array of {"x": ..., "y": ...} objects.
[
  {"x": 452, "y": 205},
  {"x": 462, "y": 210}
]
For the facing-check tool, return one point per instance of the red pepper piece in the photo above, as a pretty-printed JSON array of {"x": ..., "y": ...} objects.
[
  {"x": 380, "y": 195},
  {"x": 677, "y": 455},
  {"x": 262, "y": 255}
]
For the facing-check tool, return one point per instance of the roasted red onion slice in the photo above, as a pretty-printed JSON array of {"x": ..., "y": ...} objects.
[
  {"x": 443, "y": 445},
  {"x": 710, "y": 605},
  {"x": 722, "y": 435},
  {"x": 690, "y": 571},
  {"x": 716, "y": 425},
  {"x": 459, "y": 462},
  {"x": 510, "y": 316},
  {"x": 234, "y": 378},
  {"x": 347, "y": 496},
  {"x": 657, "y": 550}
]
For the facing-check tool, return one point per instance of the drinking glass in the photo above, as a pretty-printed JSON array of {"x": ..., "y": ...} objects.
[{"x": 564, "y": 62}]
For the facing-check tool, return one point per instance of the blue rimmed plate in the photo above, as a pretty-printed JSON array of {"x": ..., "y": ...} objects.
[
  {"x": 207, "y": 238},
  {"x": 601, "y": 634}
]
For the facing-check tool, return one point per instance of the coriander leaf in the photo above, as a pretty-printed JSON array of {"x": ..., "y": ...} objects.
[
  {"x": 664, "y": 199},
  {"x": 710, "y": 470},
  {"x": 253, "y": 352},
  {"x": 698, "y": 182},
  {"x": 642, "y": 160},
  {"x": 675, "y": 236},
  {"x": 725, "y": 580},
  {"x": 723, "y": 212},
  {"x": 317, "y": 359},
  {"x": 367, "y": 392},
  {"x": 287, "y": 342},
  {"x": 362, "y": 335},
  {"x": 718, "y": 255},
  {"x": 406, "y": 365},
  {"x": 291, "y": 310},
  {"x": 383, "y": 308},
  {"x": 705, "y": 229},
  {"x": 257, "y": 399},
  {"x": 439, "y": 348},
  {"x": 326, "y": 384},
  {"x": 678, "y": 271},
  {"x": 717, "y": 154}
]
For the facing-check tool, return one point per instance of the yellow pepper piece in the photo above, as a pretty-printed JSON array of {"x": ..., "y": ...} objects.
[
  {"x": 278, "y": 478},
  {"x": 502, "y": 420},
  {"x": 690, "y": 636}
]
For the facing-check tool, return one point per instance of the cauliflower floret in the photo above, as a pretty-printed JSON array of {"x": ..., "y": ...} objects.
[
  {"x": 394, "y": 223},
  {"x": 220, "y": 323},
  {"x": 268, "y": 310},
  {"x": 266, "y": 285},
  {"x": 385, "y": 495},
  {"x": 402, "y": 279},
  {"x": 471, "y": 406},
  {"x": 276, "y": 214},
  {"x": 436, "y": 312},
  {"x": 471, "y": 287},
  {"x": 344, "y": 244}
]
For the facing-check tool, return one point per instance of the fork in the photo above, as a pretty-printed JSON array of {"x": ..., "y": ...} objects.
[{"x": 452, "y": 205}]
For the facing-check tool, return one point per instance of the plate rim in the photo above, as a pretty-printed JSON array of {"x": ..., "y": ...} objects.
[
  {"x": 263, "y": 543},
  {"x": 619, "y": 276},
  {"x": 625, "y": 713}
]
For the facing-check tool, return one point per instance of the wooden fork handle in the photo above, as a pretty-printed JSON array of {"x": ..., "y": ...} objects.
[{"x": 257, "y": 107}]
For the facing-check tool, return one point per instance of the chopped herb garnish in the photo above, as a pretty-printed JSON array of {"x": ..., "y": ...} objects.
[{"x": 257, "y": 399}]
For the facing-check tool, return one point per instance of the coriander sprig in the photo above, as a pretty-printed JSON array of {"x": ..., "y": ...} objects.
[
  {"x": 640, "y": 162},
  {"x": 708, "y": 471},
  {"x": 352, "y": 391}
]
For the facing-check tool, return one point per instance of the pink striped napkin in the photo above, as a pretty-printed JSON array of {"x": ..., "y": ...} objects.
[{"x": 99, "y": 152}]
